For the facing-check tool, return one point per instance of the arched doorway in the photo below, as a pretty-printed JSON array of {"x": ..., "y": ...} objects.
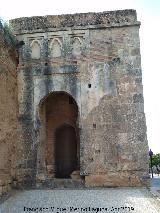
[
  {"x": 65, "y": 151},
  {"x": 59, "y": 135}
]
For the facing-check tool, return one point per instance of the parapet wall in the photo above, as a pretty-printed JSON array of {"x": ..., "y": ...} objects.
[{"x": 77, "y": 21}]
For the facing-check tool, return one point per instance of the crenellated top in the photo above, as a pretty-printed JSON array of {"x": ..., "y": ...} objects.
[{"x": 75, "y": 21}]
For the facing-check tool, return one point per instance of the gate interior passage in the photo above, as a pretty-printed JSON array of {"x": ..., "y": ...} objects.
[
  {"x": 65, "y": 151},
  {"x": 60, "y": 143}
]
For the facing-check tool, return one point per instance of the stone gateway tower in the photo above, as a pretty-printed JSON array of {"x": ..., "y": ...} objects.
[{"x": 80, "y": 98}]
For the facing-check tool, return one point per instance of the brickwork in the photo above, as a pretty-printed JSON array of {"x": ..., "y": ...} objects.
[{"x": 9, "y": 135}]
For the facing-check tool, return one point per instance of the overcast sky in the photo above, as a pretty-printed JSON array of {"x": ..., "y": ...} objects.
[{"x": 148, "y": 12}]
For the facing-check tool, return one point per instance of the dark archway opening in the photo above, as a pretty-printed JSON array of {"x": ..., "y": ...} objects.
[
  {"x": 65, "y": 151},
  {"x": 59, "y": 153}
]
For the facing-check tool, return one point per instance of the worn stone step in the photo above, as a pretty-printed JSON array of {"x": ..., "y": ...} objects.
[{"x": 61, "y": 183}]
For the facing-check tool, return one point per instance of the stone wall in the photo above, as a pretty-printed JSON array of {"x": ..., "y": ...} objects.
[
  {"x": 9, "y": 131},
  {"x": 95, "y": 58}
]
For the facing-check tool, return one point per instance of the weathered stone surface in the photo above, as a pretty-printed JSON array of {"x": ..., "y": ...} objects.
[
  {"x": 81, "y": 71},
  {"x": 9, "y": 128},
  {"x": 114, "y": 179},
  {"x": 76, "y": 175},
  {"x": 41, "y": 178},
  {"x": 81, "y": 20}
]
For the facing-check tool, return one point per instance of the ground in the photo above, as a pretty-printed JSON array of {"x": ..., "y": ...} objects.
[
  {"x": 155, "y": 185},
  {"x": 136, "y": 200}
]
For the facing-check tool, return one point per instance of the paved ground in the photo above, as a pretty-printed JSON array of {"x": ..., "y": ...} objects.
[
  {"x": 134, "y": 200},
  {"x": 155, "y": 185},
  {"x": 155, "y": 181}
]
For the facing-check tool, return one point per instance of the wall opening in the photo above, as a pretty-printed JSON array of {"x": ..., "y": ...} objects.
[
  {"x": 89, "y": 85},
  {"x": 65, "y": 151},
  {"x": 59, "y": 135}
]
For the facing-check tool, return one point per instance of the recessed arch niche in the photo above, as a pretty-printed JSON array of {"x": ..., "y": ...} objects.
[
  {"x": 77, "y": 43},
  {"x": 35, "y": 49},
  {"x": 59, "y": 135},
  {"x": 55, "y": 48}
]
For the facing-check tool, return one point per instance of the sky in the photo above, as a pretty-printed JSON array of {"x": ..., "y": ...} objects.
[{"x": 148, "y": 12}]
